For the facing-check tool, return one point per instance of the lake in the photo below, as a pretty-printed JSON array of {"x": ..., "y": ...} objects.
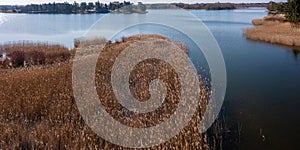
[{"x": 262, "y": 79}]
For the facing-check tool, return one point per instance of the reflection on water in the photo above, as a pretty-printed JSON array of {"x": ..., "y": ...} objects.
[
  {"x": 263, "y": 82},
  {"x": 296, "y": 53},
  {"x": 250, "y": 10},
  {"x": 3, "y": 18}
]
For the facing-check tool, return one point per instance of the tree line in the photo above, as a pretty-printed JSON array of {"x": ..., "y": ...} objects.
[
  {"x": 291, "y": 9},
  {"x": 212, "y": 6},
  {"x": 77, "y": 8}
]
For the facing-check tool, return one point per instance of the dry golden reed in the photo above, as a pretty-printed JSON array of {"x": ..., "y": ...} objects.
[
  {"x": 24, "y": 53},
  {"x": 38, "y": 110},
  {"x": 275, "y": 32}
]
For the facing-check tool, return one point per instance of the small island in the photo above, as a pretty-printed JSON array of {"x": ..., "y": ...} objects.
[{"x": 281, "y": 26}]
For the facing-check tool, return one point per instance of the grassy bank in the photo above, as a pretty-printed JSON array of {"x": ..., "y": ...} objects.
[
  {"x": 38, "y": 109},
  {"x": 275, "y": 31}
]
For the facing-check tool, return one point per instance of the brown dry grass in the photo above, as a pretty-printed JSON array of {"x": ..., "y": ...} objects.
[
  {"x": 83, "y": 42},
  {"x": 257, "y": 22},
  {"x": 36, "y": 53},
  {"x": 283, "y": 33},
  {"x": 38, "y": 109}
]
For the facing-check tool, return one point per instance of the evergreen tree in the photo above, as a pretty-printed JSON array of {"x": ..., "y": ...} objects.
[
  {"x": 292, "y": 10},
  {"x": 83, "y": 6}
]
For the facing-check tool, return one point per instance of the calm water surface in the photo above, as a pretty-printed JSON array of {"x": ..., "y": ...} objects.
[
  {"x": 263, "y": 79},
  {"x": 52, "y": 28}
]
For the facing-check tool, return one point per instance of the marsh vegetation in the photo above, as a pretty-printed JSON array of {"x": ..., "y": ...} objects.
[
  {"x": 280, "y": 27},
  {"x": 38, "y": 109}
]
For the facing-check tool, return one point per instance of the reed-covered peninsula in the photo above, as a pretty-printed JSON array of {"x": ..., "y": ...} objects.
[
  {"x": 275, "y": 32},
  {"x": 281, "y": 26},
  {"x": 38, "y": 108}
]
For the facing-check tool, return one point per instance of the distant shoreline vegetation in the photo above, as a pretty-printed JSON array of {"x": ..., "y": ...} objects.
[
  {"x": 116, "y": 7},
  {"x": 206, "y": 6},
  {"x": 76, "y": 8}
]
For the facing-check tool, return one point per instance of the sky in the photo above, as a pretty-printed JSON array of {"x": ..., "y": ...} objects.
[{"x": 23, "y": 2}]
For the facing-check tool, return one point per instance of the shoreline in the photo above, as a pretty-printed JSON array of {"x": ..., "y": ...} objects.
[
  {"x": 274, "y": 30},
  {"x": 133, "y": 12},
  {"x": 116, "y": 6}
]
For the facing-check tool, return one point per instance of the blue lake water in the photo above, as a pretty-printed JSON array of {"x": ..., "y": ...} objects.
[
  {"x": 56, "y": 29},
  {"x": 262, "y": 79}
]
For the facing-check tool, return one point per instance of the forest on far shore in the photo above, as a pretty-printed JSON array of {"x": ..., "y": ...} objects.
[
  {"x": 123, "y": 7},
  {"x": 75, "y": 8}
]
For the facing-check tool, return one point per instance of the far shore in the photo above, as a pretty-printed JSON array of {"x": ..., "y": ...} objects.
[
  {"x": 273, "y": 29},
  {"x": 118, "y": 7}
]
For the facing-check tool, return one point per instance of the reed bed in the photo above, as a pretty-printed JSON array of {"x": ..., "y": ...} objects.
[
  {"x": 257, "y": 22},
  {"x": 21, "y": 54},
  {"x": 275, "y": 32},
  {"x": 38, "y": 109}
]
